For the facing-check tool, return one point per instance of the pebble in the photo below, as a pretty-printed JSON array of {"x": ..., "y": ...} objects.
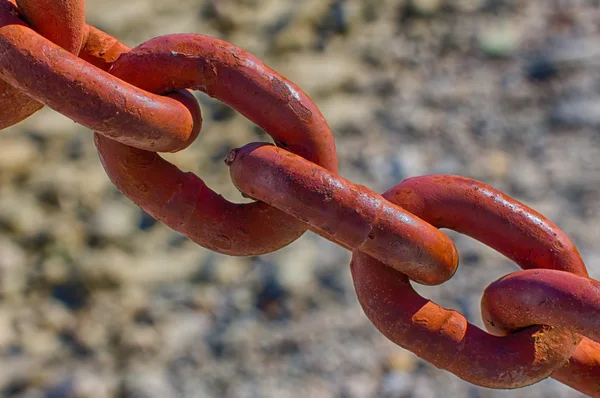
[
  {"x": 231, "y": 270},
  {"x": 528, "y": 180},
  {"x": 397, "y": 384},
  {"x": 17, "y": 154},
  {"x": 426, "y": 7},
  {"x": 13, "y": 276},
  {"x": 348, "y": 112},
  {"x": 361, "y": 385},
  {"x": 183, "y": 330},
  {"x": 495, "y": 162},
  {"x": 469, "y": 5},
  {"x": 55, "y": 269},
  {"x": 7, "y": 334},
  {"x": 577, "y": 112},
  {"x": 321, "y": 73},
  {"x": 297, "y": 266},
  {"x": 499, "y": 41},
  {"x": 21, "y": 213},
  {"x": 401, "y": 361},
  {"x": 40, "y": 342},
  {"x": 148, "y": 383},
  {"x": 114, "y": 221},
  {"x": 84, "y": 383}
]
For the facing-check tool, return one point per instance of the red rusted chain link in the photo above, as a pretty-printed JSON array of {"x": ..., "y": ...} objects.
[
  {"x": 214, "y": 66},
  {"x": 101, "y": 49},
  {"x": 61, "y": 22},
  {"x": 582, "y": 372},
  {"x": 545, "y": 319},
  {"x": 542, "y": 297},
  {"x": 243, "y": 82},
  {"x": 238, "y": 79},
  {"x": 348, "y": 213},
  {"x": 91, "y": 96},
  {"x": 550, "y": 297},
  {"x": 334, "y": 206}
]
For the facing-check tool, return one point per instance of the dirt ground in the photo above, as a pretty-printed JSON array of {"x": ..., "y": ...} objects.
[{"x": 98, "y": 300}]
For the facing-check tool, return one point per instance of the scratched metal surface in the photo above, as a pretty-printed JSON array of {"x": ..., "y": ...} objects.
[{"x": 97, "y": 300}]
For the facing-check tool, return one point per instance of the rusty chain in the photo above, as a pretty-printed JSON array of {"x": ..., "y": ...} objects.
[{"x": 544, "y": 320}]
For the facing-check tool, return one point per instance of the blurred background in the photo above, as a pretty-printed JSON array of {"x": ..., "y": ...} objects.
[{"x": 98, "y": 300}]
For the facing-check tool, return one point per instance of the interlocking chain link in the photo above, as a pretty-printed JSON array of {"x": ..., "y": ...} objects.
[{"x": 545, "y": 319}]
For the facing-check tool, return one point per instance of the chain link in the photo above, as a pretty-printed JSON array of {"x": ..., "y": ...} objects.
[{"x": 544, "y": 320}]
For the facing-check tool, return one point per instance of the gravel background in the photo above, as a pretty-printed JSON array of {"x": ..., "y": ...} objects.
[{"x": 97, "y": 300}]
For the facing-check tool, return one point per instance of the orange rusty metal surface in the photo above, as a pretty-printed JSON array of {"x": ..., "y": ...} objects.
[
  {"x": 493, "y": 218},
  {"x": 182, "y": 200},
  {"x": 582, "y": 372},
  {"x": 63, "y": 23},
  {"x": 543, "y": 297},
  {"x": 101, "y": 49},
  {"x": 238, "y": 79},
  {"x": 550, "y": 297},
  {"x": 348, "y": 213},
  {"x": 90, "y": 96},
  {"x": 447, "y": 340}
]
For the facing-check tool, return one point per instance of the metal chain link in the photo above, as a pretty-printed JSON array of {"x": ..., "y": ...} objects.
[{"x": 545, "y": 319}]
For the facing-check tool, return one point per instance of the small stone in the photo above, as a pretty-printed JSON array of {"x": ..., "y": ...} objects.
[
  {"x": 401, "y": 360},
  {"x": 140, "y": 340},
  {"x": 156, "y": 268},
  {"x": 39, "y": 342},
  {"x": 84, "y": 383},
  {"x": 295, "y": 39},
  {"x": 58, "y": 317},
  {"x": 115, "y": 221},
  {"x": 469, "y": 5},
  {"x": 91, "y": 333},
  {"x": 242, "y": 300},
  {"x": 12, "y": 268},
  {"x": 183, "y": 330},
  {"x": 110, "y": 267},
  {"x": 55, "y": 270},
  {"x": 17, "y": 153},
  {"x": 397, "y": 384},
  {"x": 297, "y": 266},
  {"x": 527, "y": 179},
  {"x": 320, "y": 73},
  {"x": 499, "y": 41},
  {"x": 346, "y": 111},
  {"x": 577, "y": 113},
  {"x": 361, "y": 385},
  {"x": 492, "y": 164},
  {"x": 52, "y": 125},
  {"x": 231, "y": 270},
  {"x": 7, "y": 334},
  {"x": 426, "y": 7},
  {"x": 207, "y": 297},
  {"x": 148, "y": 383},
  {"x": 21, "y": 213}
]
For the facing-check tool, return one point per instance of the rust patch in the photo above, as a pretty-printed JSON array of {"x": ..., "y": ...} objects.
[{"x": 292, "y": 98}]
